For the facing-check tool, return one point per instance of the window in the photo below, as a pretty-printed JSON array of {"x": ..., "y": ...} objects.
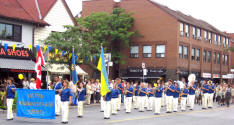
[
  {"x": 214, "y": 57},
  {"x": 215, "y": 39},
  {"x": 194, "y": 33},
  {"x": 180, "y": 51},
  {"x": 199, "y": 33},
  {"x": 198, "y": 54},
  {"x": 160, "y": 51},
  {"x": 208, "y": 56},
  {"x": 210, "y": 37},
  {"x": 219, "y": 40},
  {"x": 186, "y": 52},
  {"x": 193, "y": 53},
  {"x": 134, "y": 52},
  {"x": 204, "y": 56},
  {"x": 147, "y": 51},
  {"x": 223, "y": 58},
  {"x": 226, "y": 59},
  {"x": 224, "y": 41},
  {"x": 205, "y": 35},
  {"x": 186, "y": 30},
  {"x": 10, "y": 32},
  {"x": 227, "y": 42},
  {"x": 181, "y": 29},
  {"x": 218, "y": 58}
]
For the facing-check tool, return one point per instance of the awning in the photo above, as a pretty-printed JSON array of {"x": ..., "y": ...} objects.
[
  {"x": 63, "y": 69},
  {"x": 18, "y": 64}
]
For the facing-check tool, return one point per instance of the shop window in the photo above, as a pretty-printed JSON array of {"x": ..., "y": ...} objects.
[
  {"x": 186, "y": 52},
  {"x": 204, "y": 55},
  {"x": 198, "y": 55},
  {"x": 180, "y": 51},
  {"x": 193, "y": 53}
]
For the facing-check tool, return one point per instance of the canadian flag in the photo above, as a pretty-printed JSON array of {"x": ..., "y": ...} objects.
[{"x": 39, "y": 63}]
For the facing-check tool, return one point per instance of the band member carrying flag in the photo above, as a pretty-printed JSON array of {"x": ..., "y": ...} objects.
[
  {"x": 105, "y": 90},
  {"x": 74, "y": 73}
]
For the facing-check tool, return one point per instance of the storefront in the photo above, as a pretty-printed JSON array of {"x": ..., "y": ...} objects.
[
  {"x": 151, "y": 75},
  {"x": 18, "y": 61},
  {"x": 216, "y": 78}
]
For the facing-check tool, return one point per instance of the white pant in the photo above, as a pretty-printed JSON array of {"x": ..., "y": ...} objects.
[
  {"x": 146, "y": 101},
  {"x": 175, "y": 104},
  {"x": 150, "y": 103},
  {"x": 57, "y": 104},
  {"x": 88, "y": 98},
  {"x": 141, "y": 102},
  {"x": 80, "y": 108},
  {"x": 157, "y": 105},
  {"x": 9, "y": 108},
  {"x": 169, "y": 101},
  {"x": 210, "y": 99},
  {"x": 183, "y": 103},
  {"x": 125, "y": 101},
  {"x": 119, "y": 102},
  {"x": 128, "y": 104},
  {"x": 65, "y": 110},
  {"x": 135, "y": 100},
  {"x": 102, "y": 104},
  {"x": 163, "y": 99},
  {"x": 188, "y": 101},
  {"x": 114, "y": 105},
  {"x": 107, "y": 109},
  {"x": 191, "y": 101},
  {"x": 205, "y": 100}
]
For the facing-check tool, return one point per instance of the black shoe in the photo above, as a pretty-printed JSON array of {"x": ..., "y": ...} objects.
[
  {"x": 105, "y": 118},
  {"x": 108, "y": 118},
  {"x": 101, "y": 111},
  {"x": 203, "y": 108},
  {"x": 118, "y": 110},
  {"x": 79, "y": 116},
  {"x": 114, "y": 113},
  {"x": 127, "y": 112},
  {"x": 9, "y": 119},
  {"x": 191, "y": 109},
  {"x": 65, "y": 122},
  {"x": 174, "y": 111},
  {"x": 167, "y": 112},
  {"x": 141, "y": 111}
]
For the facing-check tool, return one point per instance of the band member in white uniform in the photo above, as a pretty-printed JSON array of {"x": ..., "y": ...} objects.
[
  {"x": 205, "y": 90},
  {"x": 175, "y": 97},
  {"x": 158, "y": 98},
  {"x": 192, "y": 87},
  {"x": 210, "y": 94},
  {"x": 81, "y": 98},
  {"x": 184, "y": 98},
  {"x": 107, "y": 103},
  {"x": 129, "y": 94},
  {"x": 66, "y": 96},
  {"x": 169, "y": 96},
  {"x": 150, "y": 98},
  {"x": 57, "y": 87},
  {"x": 136, "y": 96},
  {"x": 115, "y": 93},
  {"x": 142, "y": 96},
  {"x": 10, "y": 95}
]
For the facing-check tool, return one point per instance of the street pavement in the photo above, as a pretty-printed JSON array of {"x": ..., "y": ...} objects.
[{"x": 92, "y": 116}]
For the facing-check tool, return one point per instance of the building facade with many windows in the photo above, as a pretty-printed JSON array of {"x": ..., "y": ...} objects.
[{"x": 173, "y": 44}]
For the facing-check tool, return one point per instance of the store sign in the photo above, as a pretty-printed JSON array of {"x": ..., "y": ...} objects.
[
  {"x": 20, "y": 53},
  {"x": 22, "y": 71},
  {"x": 216, "y": 76},
  {"x": 206, "y": 75},
  {"x": 228, "y": 76},
  {"x": 150, "y": 72}
]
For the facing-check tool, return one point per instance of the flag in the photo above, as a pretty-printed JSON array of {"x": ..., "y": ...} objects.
[
  {"x": 104, "y": 77},
  {"x": 74, "y": 73},
  {"x": 39, "y": 63}
]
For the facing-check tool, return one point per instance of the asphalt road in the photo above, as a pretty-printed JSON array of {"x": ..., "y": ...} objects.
[{"x": 93, "y": 116}]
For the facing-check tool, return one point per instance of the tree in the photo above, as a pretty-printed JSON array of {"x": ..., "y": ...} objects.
[
  {"x": 113, "y": 30},
  {"x": 99, "y": 29}
]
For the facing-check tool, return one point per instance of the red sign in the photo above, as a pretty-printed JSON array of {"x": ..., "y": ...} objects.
[
  {"x": 22, "y": 53},
  {"x": 23, "y": 71}
]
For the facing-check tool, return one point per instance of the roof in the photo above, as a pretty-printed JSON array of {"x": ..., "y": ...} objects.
[
  {"x": 26, "y": 10},
  {"x": 188, "y": 19}
]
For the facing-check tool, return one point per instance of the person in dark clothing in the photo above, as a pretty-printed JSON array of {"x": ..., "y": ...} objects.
[{"x": 228, "y": 95}]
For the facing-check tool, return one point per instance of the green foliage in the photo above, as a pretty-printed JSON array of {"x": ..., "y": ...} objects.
[{"x": 99, "y": 29}]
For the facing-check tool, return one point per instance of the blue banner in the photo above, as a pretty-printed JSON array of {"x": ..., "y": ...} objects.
[{"x": 36, "y": 103}]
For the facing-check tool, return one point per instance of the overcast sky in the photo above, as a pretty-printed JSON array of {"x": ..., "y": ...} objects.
[{"x": 219, "y": 13}]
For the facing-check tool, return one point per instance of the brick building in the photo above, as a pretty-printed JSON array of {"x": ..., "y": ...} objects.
[
  {"x": 173, "y": 44},
  {"x": 231, "y": 35}
]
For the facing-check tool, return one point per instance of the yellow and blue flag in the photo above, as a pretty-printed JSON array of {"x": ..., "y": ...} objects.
[
  {"x": 74, "y": 73},
  {"x": 104, "y": 77}
]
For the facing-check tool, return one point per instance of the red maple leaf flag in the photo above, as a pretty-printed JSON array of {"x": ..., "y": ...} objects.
[{"x": 40, "y": 62}]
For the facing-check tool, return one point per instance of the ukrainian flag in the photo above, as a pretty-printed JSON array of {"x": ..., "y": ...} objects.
[{"x": 104, "y": 77}]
